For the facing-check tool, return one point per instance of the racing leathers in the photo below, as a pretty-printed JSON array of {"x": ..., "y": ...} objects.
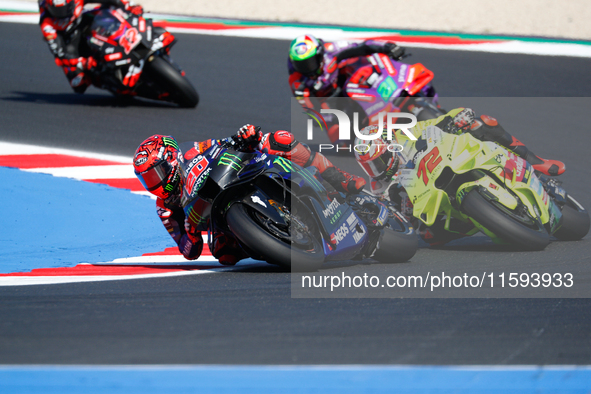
[
  {"x": 457, "y": 121},
  {"x": 186, "y": 230},
  {"x": 64, "y": 37},
  {"x": 340, "y": 60}
]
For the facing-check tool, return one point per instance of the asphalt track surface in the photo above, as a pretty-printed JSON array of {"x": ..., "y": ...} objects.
[{"x": 249, "y": 317}]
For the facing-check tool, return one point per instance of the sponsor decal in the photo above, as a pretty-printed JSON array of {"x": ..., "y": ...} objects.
[
  {"x": 230, "y": 160},
  {"x": 332, "y": 207},
  {"x": 113, "y": 56},
  {"x": 357, "y": 236},
  {"x": 402, "y": 73},
  {"x": 200, "y": 162},
  {"x": 130, "y": 40},
  {"x": 260, "y": 158},
  {"x": 96, "y": 42},
  {"x": 389, "y": 66},
  {"x": 283, "y": 163},
  {"x": 387, "y": 88},
  {"x": 363, "y": 97},
  {"x": 141, "y": 160},
  {"x": 351, "y": 219},
  {"x": 340, "y": 234},
  {"x": 196, "y": 183},
  {"x": 354, "y": 90},
  {"x": 257, "y": 200},
  {"x": 382, "y": 216},
  {"x": 122, "y": 62}
]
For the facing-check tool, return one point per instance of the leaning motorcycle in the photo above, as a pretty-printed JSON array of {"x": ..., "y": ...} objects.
[
  {"x": 133, "y": 57},
  {"x": 377, "y": 84},
  {"x": 474, "y": 185},
  {"x": 282, "y": 213}
]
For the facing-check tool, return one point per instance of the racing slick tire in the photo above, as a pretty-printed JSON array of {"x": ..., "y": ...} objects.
[
  {"x": 251, "y": 232},
  {"x": 395, "y": 246},
  {"x": 169, "y": 79},
  {"x": 502, "y": 225},
  {"x": 575, "y": 221}
]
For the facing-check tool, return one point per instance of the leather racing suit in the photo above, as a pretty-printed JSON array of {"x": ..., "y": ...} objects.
[{"x": 64, "y": 37}]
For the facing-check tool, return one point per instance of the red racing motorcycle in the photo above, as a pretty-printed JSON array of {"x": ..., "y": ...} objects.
[{"x": 133, "y": 58}]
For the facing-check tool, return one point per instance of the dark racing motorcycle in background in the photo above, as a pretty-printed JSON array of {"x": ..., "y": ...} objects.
[
  {"x": 133, "y": 57},
  {"x": 282, "y": 213}
]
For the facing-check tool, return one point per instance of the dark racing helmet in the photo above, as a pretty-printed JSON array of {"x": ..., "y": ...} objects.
[
  {"x": 63, "y": 9},
  {"x": 306, "y": 53},
  {"x": 378, "y": 158},
  {"x": 156, "y": 165}
]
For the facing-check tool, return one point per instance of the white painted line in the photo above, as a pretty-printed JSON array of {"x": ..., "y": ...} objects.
[
  {"x": 19, "y": 5},
  {"x": 51, "y": 280},
  {"x": 124, "y": 171},
  {"x": 10, "y": 148}
]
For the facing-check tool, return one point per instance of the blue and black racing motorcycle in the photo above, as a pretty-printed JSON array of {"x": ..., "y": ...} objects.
[{"x": 287, "y": 215}]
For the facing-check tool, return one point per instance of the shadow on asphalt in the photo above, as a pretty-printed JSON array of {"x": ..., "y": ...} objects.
[{"x": 95, "y": 100}]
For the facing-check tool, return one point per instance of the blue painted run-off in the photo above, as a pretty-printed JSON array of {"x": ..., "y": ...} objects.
[
  {"x": 58, "y": 222},
  {"x": 290, "y": 379}
]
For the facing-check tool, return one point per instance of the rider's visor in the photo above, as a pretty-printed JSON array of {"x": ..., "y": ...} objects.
[
  {"x": 307, "y": 66},
  {"x": 64, "y": 11},
  {"x": 156, "y": 176}
]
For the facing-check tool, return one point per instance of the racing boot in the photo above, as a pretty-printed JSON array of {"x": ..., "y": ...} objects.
[
  {"x": 545, "y": 166},
  {"x": 342, "y": 180},
  {"x": 488, "y": 128},
  {"x": 226, "y": 249}
]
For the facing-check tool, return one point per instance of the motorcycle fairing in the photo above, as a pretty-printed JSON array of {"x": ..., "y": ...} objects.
[{"x": 452, "y": 165}]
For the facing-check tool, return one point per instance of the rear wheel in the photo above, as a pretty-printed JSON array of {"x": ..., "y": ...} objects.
[
  {"x": 170, "y": 80},
  {"x": 575, "y": 221},
  {"x": 519, "y": 229},
  {"x": 294, "y": 246}
]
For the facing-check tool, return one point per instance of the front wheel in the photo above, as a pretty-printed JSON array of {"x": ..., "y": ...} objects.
[
  {"x": 508, "y": 226},
  {"x": 575, "y": 221},
  {"x": 169, "y": 79},
  {"x": 290, "y": 246},
  {"x": 395, "y": 246}
]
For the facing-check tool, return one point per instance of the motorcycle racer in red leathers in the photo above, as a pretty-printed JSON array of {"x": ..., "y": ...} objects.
[
  {"x": 62, "y": 22},
  {"x": 156, "y": 166},
  {"x": 317, "y": 68}
]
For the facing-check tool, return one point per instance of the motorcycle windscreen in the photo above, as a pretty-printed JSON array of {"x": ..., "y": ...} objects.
[{"x": 105, "y": 24}]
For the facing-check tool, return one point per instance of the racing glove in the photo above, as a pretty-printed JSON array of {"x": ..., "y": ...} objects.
[
  {"x": 465, "y": 119},
  {"x": 394, "y": 51},
  {"x": 249, "y": 136},
  {"x": 132, "y": 7},
  {"x": 191, "y": 243}
]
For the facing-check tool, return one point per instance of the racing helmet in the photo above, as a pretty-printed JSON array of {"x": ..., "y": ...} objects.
[
  {"x": 378, "y": 158},
  {"x": 63, "y": 9},
  {"x": 156, "y": 166},
  {"x": 306, "y": 54}
]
